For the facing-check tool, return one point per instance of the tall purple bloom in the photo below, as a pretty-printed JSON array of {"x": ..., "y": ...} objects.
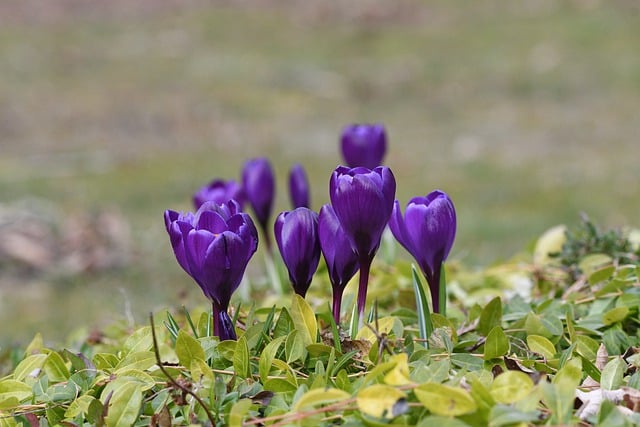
[
  {"x": 214, "y": 246},
  {"x": 363, "y": 145},
  {"x": 363, "y": 200},
  {"x": 298, "y": 187},
  {"x": 219, "y": 191},
  {"x": 259, "y": 186},
  {"x": 342, "y": 261},
  {"x": 296, "y": 233},
  {"x": 427, "y": 231}
]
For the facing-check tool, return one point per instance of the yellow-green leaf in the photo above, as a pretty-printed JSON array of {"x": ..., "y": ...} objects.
[
  {"x": 319, "y": 396},
  {"x": 385, "y": 325},
  {"x": 202, "y": 373},
  {"x": 399, "y": 375},
  {"x": 294, "y": 347},
  {"x": 124, "y": 405},
  {"x": 381, "y": 401},
  {"x": 12, "y": 388},
  {"x": 542, "y": 346},
  {"x": 304, "y": 319},
  {"x": 188, "y": 348},
  {"x": 29, "y": 366},
  {"x": 510, "y": 387},
  {"x": 446, "y": 400}
]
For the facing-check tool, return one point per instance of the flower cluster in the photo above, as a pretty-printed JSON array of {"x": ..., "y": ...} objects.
[{"x": 214, "y": 244}]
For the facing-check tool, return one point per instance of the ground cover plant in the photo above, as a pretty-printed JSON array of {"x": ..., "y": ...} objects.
[{"x": 551, "y": 339}]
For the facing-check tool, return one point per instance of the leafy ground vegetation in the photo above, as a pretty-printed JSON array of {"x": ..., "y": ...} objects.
[{"x": 558, "y": 345}]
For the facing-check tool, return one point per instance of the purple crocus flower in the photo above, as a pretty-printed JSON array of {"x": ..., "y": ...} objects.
[
  {"x": 342, "y": 261},
  {"x": 219, "y": 191},
  {"x": 298, "y": 187},
  {"x": 296, "y": 233},
  {"x": 214, "y": 246},
  {"x": 427, "y": 231},
  {"x": 259, "y": 186},
  {"x": 363, "y": 145},
  {"x": 363, "y": 200}
]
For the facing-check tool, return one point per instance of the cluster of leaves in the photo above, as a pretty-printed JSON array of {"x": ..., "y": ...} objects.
[
  {"x": 497, "y": 361},
  {"x": 587, "y": 238}
]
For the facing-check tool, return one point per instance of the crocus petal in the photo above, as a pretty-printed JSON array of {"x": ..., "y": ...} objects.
[
  {"x": 342, "y": 261},
  {"x": 223, "y": 267}
]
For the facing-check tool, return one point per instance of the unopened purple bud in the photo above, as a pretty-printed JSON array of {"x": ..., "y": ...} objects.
[
  {"x": 219, "y": 191},
  {"x": 363, "y": 145},
  {"x": 296, "y": 233},
  {"x": 299, "y": 187}
]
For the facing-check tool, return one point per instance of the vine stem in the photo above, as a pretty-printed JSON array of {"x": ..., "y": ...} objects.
[{"x": 173, "y": 382}]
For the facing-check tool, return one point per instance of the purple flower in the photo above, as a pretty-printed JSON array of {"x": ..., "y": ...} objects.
[
  {"x": 259, "y": 185},
  {"x": 363, "y": 145},
  {"x": 298, "y": 187},
  {"x": 296, "y": 233},
  {"x": 427, "y": 231},
  {"x": 214, "y": 246},
  {"x": 219, "y": 191},
  {"x": 342, "y": 261},
  {"x": 362, "y": 200}
]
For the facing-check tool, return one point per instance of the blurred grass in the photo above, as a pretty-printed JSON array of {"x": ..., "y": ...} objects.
[{"x": 525, "y": 113}]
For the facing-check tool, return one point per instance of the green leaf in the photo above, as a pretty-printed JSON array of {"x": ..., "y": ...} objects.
[
  {"x": 503, "y": 415},
  {"x": 542, "y": 346},
  {"x": 188, "y": 348},
  {"x": 267, "y": 356},
  {"x": 238, "y": 412},
  {"x": 318, "y": 397},
  {"x": 601, "y": 274},
  {"x": 79, "y": 406},
  {"x": 124, "y": 406},
  {"x": 280, "y": 385},
  {"x": 140, "y": 340},
  {"x": 381, "y": 401},
  {"x": 496, "y": 345},
  {"x": 304, "y": 320},
  {"x": 613, "y": 374},
  {"x": 105, "y": 361},
  {"x": 436, "y": 420},
  {"x": 445, "y": 400},
  {"x": 491, "y": 316},
  {"x": 425, "y": 325},
  {"x": 29, "y": 366},
  {"x": 14, "y": 389},
  {"x": 55, "y": 368},
  {"x": 294, "y": 347},
  {"x": 510, "y": 387},
  {"x": 241, "y": 358},
  {"x": 615, "y": 315},
  {"x": 141, "y": 360}
]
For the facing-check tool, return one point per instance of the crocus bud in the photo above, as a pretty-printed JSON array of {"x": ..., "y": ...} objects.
[
  {"x": 214, "y": 246},
  {"x": 298, "y": 187},
  {"x": 296, "y": 233},
  {"x": 258, "y": 182},
  {"x": 362, "y": 200},
  {"x": 219, "y": 191},
  {"x": 427, "y": 232},
  {"x": 341, "y": 260},
  {"x": 363, "y": 145}
]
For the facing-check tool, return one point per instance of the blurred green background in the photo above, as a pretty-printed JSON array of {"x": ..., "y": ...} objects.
[{"x": 526, "y": 113}]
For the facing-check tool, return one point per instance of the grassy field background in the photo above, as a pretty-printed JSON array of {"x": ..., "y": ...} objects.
[{"x": 526, "y": 113}]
